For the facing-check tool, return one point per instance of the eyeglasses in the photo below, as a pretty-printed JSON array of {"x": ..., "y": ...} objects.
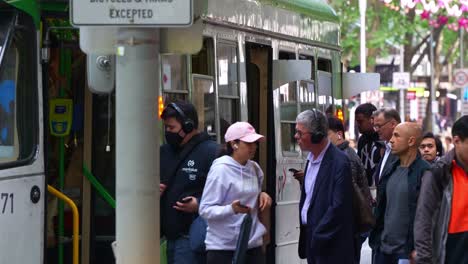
[
  {"x": 300, "y": 133},
  {"x": 377, "y": 127}
]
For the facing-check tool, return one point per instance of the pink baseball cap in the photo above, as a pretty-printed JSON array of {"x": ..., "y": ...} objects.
[{"x": 242, "y": 131}]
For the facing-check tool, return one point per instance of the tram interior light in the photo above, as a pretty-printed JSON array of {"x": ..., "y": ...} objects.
[{"x": 160, "y": 106}]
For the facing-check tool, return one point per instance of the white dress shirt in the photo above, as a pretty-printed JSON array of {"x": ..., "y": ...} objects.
[
  {"x": 388, "y": 150},
  {"x": 309, "y": 182}
]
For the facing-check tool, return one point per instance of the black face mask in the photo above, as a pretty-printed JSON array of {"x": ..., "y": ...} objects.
[{"x": 173, "y": 139}]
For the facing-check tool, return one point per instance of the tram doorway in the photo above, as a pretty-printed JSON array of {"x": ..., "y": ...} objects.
[{"x": 259, "y": 61}]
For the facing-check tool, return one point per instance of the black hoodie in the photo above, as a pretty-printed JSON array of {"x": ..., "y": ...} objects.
[{"x": 183, "y": 178}]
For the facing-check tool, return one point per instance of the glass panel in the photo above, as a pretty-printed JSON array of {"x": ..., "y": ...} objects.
[
  {"x": 288, "y": 142},
  {"x": 9, "y": 146},
  {"x": 306, "y": 95},
  {"x": 5, "y": 21},
  {"x": 228, "y": 114},
  {"x": 174, "y": 72},
  {"x": 288, "y": 101},
  {"x": 227, "y": 69},
  {"x": 204, "y": 101}
]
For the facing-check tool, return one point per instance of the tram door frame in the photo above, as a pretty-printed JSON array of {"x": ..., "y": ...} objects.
[
  {"x": 22, "y": 176},
  {"x": 259, "y": 74}
]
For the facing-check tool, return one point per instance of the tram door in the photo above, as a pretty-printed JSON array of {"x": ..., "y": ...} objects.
[
  {"x": 22, "y": 187},
  {"x": 260, "y": 106}
]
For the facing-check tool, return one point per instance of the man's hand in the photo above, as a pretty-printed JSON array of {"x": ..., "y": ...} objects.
[
  {"x": 299, "y": 176},
  {"x": 189, "y": 207},
  {"x": 413, "y": 257},
  {"x": 162, "y": 187},
  {"x": 264, "y": 201}
]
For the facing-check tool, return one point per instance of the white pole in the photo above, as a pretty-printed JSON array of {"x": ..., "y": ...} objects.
[
  {"x": 402, "y": 91},
  {"x": 362, "y": 12},
  {"x": 137, "y": 147},
  {"x": 362, "y": 53},
  {"x": 433, "y": 92}
]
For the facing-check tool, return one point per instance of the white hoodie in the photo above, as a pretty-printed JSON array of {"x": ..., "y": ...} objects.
[{"x": 228, "y": 181}]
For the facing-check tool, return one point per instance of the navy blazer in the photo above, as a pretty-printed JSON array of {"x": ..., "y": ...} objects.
[{"x": 328, "y": 235}]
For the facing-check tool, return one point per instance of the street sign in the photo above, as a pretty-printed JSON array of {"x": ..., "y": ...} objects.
[
  {"x": 132, "y": 13},
  {"x": 460, "y": 78},
  {"x": 401, "y": 80}
]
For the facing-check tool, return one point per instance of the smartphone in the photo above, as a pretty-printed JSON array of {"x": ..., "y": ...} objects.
[
  {"x": 293, "y": 170},
  {"x": 243, "y": 206},
  {"x": 185, "y": 200}
]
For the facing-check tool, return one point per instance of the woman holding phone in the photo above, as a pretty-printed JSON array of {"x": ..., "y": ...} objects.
[{"x": 234, "y": 188}]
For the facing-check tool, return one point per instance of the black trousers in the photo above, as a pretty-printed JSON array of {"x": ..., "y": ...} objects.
[{"x": 253, "y": 256}]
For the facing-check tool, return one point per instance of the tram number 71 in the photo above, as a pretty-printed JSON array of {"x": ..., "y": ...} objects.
[{"x": 6, "y": 198}]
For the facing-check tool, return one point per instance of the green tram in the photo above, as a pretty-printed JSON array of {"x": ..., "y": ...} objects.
[{"x": 260, "y": 61}]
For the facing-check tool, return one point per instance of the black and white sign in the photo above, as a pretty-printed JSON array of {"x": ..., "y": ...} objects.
[{"x": 160, "y": 13}]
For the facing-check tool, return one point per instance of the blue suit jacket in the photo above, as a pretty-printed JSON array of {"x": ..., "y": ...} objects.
[{"x": 328, "y": 235}]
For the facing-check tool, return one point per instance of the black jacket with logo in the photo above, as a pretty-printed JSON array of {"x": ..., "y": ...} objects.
[
  {"x": 183, "y": 178},
  {"x": 370, "y": 151}
]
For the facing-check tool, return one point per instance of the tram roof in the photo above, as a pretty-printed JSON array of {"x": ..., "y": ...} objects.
[{"x": 312, "y": 8}]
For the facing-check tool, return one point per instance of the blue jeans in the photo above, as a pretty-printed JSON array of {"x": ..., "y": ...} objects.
[{"x": 179, "y": 252}]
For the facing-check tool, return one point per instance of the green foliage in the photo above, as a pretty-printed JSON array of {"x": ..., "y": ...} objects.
[{"x": 386, "y": 29}]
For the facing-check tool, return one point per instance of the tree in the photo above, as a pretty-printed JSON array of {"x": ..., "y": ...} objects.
[{"x": 388, "y": 27}]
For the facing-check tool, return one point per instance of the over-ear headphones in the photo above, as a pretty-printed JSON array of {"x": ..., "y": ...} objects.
[
  {"x": 187, "y": 123},
  {"x": 317, "y": 135}
]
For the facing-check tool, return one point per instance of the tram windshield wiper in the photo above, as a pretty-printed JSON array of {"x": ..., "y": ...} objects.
[{"x": 6, "y": 30}]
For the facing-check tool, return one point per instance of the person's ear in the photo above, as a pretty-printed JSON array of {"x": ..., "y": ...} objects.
[{"x": 235, "y": 146}]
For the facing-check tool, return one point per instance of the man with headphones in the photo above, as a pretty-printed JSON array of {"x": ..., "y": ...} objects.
[
  {"x": 185, "y": 160},
  {"x": 325, "y": 209}
]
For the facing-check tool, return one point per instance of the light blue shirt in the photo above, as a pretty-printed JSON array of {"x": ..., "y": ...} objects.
[{"x": 309, "y": 182}]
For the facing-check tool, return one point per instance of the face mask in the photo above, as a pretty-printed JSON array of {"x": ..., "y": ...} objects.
[{"x": 173, "y": 139}]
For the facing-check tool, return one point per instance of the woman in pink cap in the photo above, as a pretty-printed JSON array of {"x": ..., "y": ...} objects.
[{"x": 234, "y": 188}]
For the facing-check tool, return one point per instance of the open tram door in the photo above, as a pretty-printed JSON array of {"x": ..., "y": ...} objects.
[
  {"x": 265, "y": 74},
  {"x": 22, "y": 177}
]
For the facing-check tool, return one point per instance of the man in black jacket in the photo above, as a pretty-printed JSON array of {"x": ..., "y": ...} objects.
[
  {"x": 440, "y": 225},
  {"x": 369, "y": 147},
  {"x": 185, "y": 162},
  {"x": 398, "y": 189}
]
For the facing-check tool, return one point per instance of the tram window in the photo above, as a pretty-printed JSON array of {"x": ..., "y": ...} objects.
[
  {"x": 311, "y": 59},
  {"x": 324, "y": 65},
  {"x": 288, "y": 111},
  {"x": 228, "y": 85},
  {"x": 17, "y": 102},
  {"x": 202, "y": 62},
  {"x": 325, "y": 99},
  {"x": 227, "y": 69},
  {"x": 306, "y": 94},
  {"x": 307, "y": 87},
  {"x": 174, "y": 69},
  {"x": 203, "y": 97}
]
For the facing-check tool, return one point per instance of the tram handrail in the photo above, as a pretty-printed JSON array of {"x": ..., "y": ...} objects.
[
  {"x": 98, "y": 186},
  {"x": 76, "y": 220}
]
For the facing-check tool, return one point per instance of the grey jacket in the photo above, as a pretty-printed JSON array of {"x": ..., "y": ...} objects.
[
  {"x": 433, "y": 212},
  {"x": 358, "y": 172}
]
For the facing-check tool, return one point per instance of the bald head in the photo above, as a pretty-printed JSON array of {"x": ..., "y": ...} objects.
[
  {"x": 411, "y": 129},
  {"x": 406, "y": 138}
]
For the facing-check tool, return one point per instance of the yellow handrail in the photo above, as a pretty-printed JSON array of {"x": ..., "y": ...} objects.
[{"x": 76, "y": 220}]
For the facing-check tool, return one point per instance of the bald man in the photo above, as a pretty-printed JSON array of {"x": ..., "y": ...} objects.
[{"x": 392, "y": 237}]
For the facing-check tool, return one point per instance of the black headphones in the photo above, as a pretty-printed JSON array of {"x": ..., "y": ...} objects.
[
  {"x": 187, "y": 123},
  {"x": 317, "y": 135}
]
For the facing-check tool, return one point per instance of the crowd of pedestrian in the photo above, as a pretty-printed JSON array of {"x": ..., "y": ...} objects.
[{"x": 400, "y": 189}]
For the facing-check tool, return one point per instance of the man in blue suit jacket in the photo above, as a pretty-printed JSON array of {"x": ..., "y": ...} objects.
[{"x": 326, "y": 217}]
